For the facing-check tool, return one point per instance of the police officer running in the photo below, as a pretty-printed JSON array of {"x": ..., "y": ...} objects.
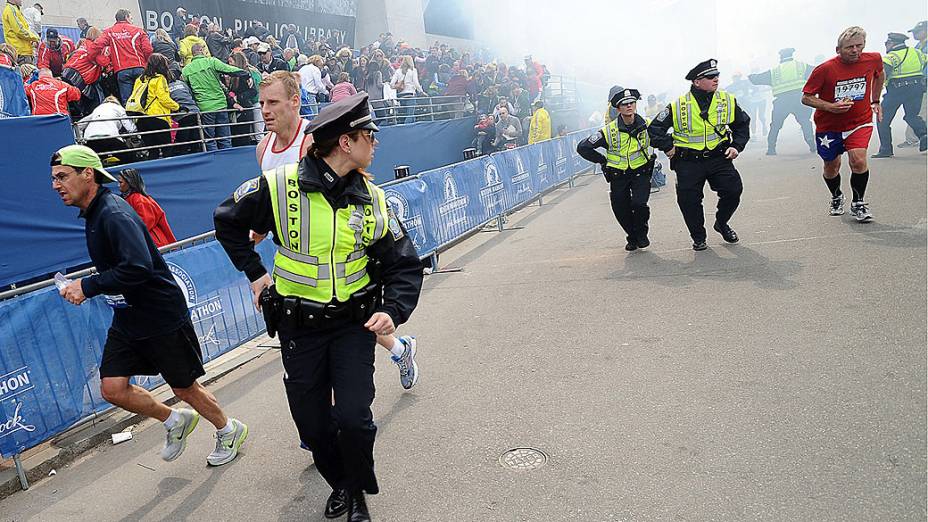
[
  {"x": 344, "y": 272},
  {"x": 627, "y": 166},
  {"x": 905, "y": 85},
  {"x": 786, "y": 80},
  {"x": 709, "y": 131}
]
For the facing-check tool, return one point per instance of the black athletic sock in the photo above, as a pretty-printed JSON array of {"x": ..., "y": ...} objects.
[
  {"x": 859, "y": 184},
  {"x": 834, "y": 185}
]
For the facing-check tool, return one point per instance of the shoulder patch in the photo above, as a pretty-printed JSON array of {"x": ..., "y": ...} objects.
[
  {"x": 394, "y": 225},
  {"x": 661, "y": 116},
  {"x": 249, "y": 187},
  {"x": 594, "y": 138}
]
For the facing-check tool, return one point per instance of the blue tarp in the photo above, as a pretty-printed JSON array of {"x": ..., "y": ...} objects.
[{"x": 39, "y": 235}]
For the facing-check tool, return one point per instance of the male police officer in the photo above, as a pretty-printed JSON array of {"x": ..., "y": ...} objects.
[
  {"x": 905, "y": 85},
  {"x": 344, "y": 271},
  {"x": 709, "y": 131},
  {"x": 626, "y": 166},
  {"x": 787, "y": 80},
  {"x": 920, "y": 33}
]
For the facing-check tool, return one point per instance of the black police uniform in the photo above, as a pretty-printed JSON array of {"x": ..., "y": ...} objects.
[
  {"x": 629, "y": 190},
  {"x": 787, "y": 103},
  {"x": 694, "y": 168},
  {"x": 902, "y": 92},
  {"x": 336, "y": 354}
]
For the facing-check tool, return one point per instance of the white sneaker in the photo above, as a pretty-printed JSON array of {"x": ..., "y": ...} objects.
[
  {"x": 177, "y": 436},
  {"x": 860, "y": 212},
  {"x": 227, "y": 445},
  {"x": 409, "y": 370}
]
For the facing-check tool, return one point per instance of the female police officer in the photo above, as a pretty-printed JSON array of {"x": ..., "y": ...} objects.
[
  {"x": 627, "y": 166},
  {"x": 344, "y": 272}
]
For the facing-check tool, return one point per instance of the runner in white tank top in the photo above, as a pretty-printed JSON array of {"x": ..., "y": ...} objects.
[
  {"x": 276, "y": 107},
  {"x": 276, "y": 154}
]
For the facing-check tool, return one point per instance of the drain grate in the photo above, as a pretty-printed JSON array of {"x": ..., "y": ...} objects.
[{"x": 523, "y": 459}]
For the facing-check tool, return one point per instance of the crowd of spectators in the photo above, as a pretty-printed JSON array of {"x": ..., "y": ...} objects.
[{"x": 165, "y": 89}]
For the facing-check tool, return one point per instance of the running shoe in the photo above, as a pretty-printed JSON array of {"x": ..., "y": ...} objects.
[
  {"x": 409, "y": 370},
  {"x": 177, "y": 436},
  {"x": 860, "y": 212},
  {"x": 227, "y": 445},
  {"x": 837, "y": 205}
]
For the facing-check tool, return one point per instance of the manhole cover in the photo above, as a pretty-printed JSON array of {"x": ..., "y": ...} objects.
[{"x": 523, "y": 459}]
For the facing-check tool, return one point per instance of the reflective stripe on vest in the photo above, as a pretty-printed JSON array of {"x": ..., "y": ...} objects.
[
  {"x": 691, "y": 131},
  {"x": 905, "y": 63},
  {"x": 317, "y": 241},
  {"x": 624, "y": 152},
  {"x": 788, "y": 76}
]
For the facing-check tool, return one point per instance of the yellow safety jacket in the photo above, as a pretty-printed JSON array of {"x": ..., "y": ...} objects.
[
  {"x": 788, "y": 76},
  {"x": 905, "y": 63},
  {"x": 691, "y": 131},
  {"x": 626, "y": 152},
  {"x": 322, "y": 255}
]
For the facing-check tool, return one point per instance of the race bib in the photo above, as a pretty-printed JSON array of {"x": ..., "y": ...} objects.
[{"x": 855, "y": 89}]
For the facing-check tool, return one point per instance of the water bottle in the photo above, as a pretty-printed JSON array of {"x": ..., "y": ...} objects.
[{"x": 61, "y": 282}]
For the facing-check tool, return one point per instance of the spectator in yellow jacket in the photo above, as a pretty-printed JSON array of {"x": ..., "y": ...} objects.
[
  {"x": 156, "y": 104},
  {"x": 17, "y": 33},
  {"x": 540, "y": 126},
  {"x": 186, "y": 45}
]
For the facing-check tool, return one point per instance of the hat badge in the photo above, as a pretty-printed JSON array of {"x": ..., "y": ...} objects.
[
  {"x": 627, "y": 92},
  {"x": 712, "y": 63}
]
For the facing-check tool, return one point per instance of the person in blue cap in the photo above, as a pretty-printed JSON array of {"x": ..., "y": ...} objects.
[
  {"x": 709, "y": 131},
  {"x": 904, "y": 68},
  {"x": 345, "y": 271},
  {"x": 786, "y": 80}
]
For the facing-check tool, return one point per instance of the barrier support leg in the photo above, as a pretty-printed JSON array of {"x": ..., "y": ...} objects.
[
  {"x": 570, "y": 182},
  {"x": 23, "y": 481},
  {"x": 433, "y": 260}
]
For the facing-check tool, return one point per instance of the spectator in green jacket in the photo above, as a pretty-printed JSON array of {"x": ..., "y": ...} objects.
[{"x": 202, "y": 74}]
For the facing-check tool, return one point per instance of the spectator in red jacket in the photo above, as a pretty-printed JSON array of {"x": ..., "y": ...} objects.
[
  {"x": 129, "y": 50},
  {"x": 133, "y": 191},
  {"x": 50, "y": 95},
  {"x": 83, "y": 72},
  {"x": 54, "y": 52}
]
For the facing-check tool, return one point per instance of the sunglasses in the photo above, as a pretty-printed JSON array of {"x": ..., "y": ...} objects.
[{"x": 711, "y": 76}]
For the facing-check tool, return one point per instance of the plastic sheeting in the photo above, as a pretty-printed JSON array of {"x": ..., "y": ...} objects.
[{"x": 39, "y": 235}]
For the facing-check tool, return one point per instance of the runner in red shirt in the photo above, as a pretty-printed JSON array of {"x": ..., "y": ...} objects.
[
  {"x": 49, "y": 95},
  {"x": 845, "y": 92}
]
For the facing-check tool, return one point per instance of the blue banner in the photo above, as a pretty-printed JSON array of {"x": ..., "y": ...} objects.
[{"x": 50, "y": 350}]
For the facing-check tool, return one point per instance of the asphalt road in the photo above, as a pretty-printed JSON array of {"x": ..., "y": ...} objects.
[{"x": 783, "y": 378}]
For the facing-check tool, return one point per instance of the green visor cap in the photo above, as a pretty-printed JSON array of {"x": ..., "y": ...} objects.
[{"x": 80, "y": 157}]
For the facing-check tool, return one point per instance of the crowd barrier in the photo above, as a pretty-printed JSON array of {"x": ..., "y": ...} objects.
[
  {"x": 49, "y": 349},
  {"x": 40, "y": 235}
]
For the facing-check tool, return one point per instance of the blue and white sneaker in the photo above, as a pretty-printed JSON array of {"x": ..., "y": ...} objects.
[{"x": 409, "y": 370}]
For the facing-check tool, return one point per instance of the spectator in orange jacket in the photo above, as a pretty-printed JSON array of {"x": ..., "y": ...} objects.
[
  {"x": 50, "y": 95},
  {"x": 54, "y": 52},
  {"x": 129, "y": 48},
  {"x": 133, "y": 191}
]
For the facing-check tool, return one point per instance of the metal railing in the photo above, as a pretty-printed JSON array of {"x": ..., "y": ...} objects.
[
  {"x": 179, "y": 245},
  {"x": 247, "y": 123},
  {"x": 561, "y": 93}
]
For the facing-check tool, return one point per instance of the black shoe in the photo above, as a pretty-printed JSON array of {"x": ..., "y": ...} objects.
[
  {"x": 727, "y": 233},
  {"x": 644, "y": 243},
  {"x": 337, "y": 504},
  {"x": 357, "y": 509},
  {"x": 882, "y": 154},
  {"x": 699, "y": 246},
  {"x": 771, "y": 152},
  {"x": 631, "y": 246}
]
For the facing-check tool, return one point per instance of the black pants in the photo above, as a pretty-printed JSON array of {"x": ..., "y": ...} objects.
[
  {"x": 783, "y": 106},
  {"x": 157, "y": 138},
  {"x": 629, "y": 192},
  {"x": 242, "y": 129},
  {"x": 187, "y": 132},
  {"x": 692, "y": 175},
  {"x": 341, "y": 437},
  {"x": 909, "y": 97},
  {"x": 103, "y": 146}
]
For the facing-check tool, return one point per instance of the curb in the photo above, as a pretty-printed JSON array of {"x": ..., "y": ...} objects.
[{"x": 67, "y": 447}]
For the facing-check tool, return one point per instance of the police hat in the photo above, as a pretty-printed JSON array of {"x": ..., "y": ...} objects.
[
  {"x": 706, "y": 68},
  {"x": 896, "y": 38},
  {"x": 787, "y": 52},
  {"x": 344, "y": 116},
  {"x": 626, "y": 96},
  {"x": 615, "y": 91},
  {"x": 920, "y": 26}
]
